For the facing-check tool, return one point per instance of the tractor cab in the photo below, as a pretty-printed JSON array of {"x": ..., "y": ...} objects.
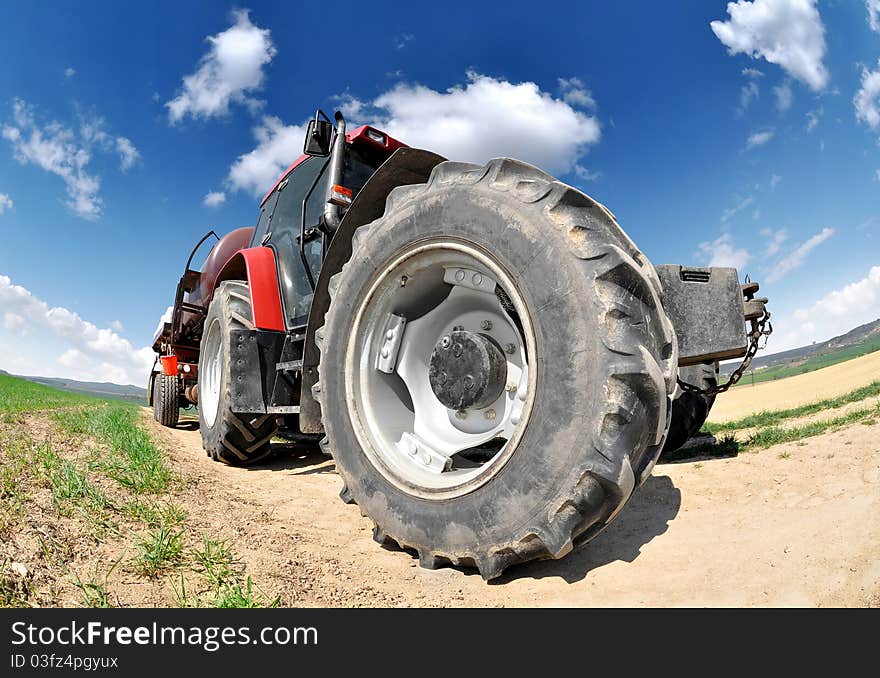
[{"x": 300, "y": 214}]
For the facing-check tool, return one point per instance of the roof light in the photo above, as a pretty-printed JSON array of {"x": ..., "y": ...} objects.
[
  {"x": 376, "y": 135},
  {"x": 340, "y": 195}
]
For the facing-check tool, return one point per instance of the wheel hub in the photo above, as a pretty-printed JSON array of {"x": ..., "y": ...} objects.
[{"x": 467, "y": 370}]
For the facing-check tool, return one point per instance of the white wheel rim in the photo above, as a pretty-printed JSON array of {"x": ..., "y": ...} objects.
[
  {"x": 209, "y": 374},
  {"x": 414, "y": 440}
]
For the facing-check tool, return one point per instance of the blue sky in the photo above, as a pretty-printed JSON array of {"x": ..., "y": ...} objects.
[{"x": 751, "y": 141}]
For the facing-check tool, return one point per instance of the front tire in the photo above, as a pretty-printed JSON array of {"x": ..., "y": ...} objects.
[
  {"x": 233, "y": 438},
  {"x": 601, "y": 367},
  {"x": 690, "y": 410},
  {"x": 166, "y": 399}
]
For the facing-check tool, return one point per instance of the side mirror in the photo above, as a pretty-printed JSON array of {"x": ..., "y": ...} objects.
[{"x": 318, "y": 138}]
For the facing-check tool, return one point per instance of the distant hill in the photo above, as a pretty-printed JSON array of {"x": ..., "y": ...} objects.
[
  {"x": 858, "y": 341},
  {"x": 100, "y": 389}
]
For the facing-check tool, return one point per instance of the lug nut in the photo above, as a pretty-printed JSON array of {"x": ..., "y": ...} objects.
[
  {"x": 445, "y": 342},
  {"x": 509, "y": 348},
  {"x": 403, "y": 280},
  {"x": 486, "y": 324},
  {"x": 461, "y": 414}
]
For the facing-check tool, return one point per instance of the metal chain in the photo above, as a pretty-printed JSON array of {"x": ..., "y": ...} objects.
[{"x": 760, "y": 328}]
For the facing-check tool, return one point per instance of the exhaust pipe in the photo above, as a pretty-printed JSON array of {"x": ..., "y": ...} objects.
[{"x": 337, "y": 164}]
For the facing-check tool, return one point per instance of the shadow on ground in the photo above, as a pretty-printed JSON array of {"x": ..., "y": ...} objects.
[
  {"x": 703, "y": 448},
  {"x": 647, "y": 515},
  {"x": 302, "y": 458}
]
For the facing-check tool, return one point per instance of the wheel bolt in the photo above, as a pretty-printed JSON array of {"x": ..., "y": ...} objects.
[
  {"x": 403, "y": 280},
  {"x": 509, "y": 348},
  {"x": 445, "y": 342},
  {"x": 461, "y": 414},
  {"x": 486, "y": 324}
]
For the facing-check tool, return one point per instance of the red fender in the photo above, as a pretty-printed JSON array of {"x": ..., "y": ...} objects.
[{"x": 257, "y": 266}]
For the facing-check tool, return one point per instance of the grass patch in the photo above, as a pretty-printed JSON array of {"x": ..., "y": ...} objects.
[
  {"x": 135, "y": 462},
  {"x": 94, "y": 590},
  {"x": 18, "y": 395},
  {"x": 768, "y": 418},
  {"x": 775, "y": 435},
  {"x": 160, "y": 550},
  {"x": 154, "y": 514}
]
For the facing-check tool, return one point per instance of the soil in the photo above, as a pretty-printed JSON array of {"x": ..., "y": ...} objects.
[
  {"x": 796, "y": 524},
  {"x": 829, "y": 382}
]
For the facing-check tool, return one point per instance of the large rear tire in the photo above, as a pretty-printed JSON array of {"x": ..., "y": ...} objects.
[
  {"x": 166, "y": 399},
  {"x": 599, "y": 350},
  {"x": 233, "y": 438},
  {"x": 690, "y": 410}
]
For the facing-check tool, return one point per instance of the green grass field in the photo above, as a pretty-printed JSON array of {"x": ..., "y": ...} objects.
[
  {"x": 811, "y": 364},
  {"x": 99, "y": 472},
  {"x": 18, "y": 395}
]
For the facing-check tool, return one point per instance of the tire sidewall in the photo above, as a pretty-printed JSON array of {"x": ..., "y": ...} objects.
[
  {"x": 211, "y": 433},
  {"x": 558, "y": 445}
]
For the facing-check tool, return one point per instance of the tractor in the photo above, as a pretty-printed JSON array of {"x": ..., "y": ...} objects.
[{"x": 489, "y": 359}]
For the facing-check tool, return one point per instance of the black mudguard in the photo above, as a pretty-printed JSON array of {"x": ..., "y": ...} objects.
[{"x": 405, "y": 166}]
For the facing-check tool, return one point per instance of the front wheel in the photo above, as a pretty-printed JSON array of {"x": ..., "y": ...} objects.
[
  {"x": 690, "y": 410},
  {"x": 495, "y": 369},
  {"x": 233, "y": 438},
  {"x": 166, "y": 399}
]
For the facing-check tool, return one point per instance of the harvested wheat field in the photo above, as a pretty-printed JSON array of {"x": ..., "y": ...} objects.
[{"x": 828, "y": 382}]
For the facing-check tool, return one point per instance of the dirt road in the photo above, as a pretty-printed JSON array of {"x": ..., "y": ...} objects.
[
  {"x": 828, "y": 382},
  {"x": 796, "y": 524}
]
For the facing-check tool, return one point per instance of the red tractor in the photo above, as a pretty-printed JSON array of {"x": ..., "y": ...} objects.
[{"x": 492, "y": 363}]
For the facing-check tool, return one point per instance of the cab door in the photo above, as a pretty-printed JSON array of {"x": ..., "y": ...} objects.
[{"x": 283, "y": 232}]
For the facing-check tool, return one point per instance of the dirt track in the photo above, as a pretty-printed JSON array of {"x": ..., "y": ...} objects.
[
  {"x": 828, "y": 382},
  {"x": 797, "y": 524}
]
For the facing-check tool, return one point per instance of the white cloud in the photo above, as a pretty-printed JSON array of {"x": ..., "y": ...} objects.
[
  {"x": 813, "y": 119},
  {"x": 128, "y": 154},
  {"x": 69, "y": 72},
  {"x": 483, "y": 119},
  {"x": 723, "y": 252},
  {"x": 278, "y": 145},
  {"x": 488, "y": 118},
  {"x": 877, "y": 174},
  {"x": 752, "y": 73},
  {"x": 784, "y": 97},
  {"x": 774, "y": 181},
  {"x": 57, "y": 149},
  {"x": 866, "y": 99},
  {"x": 575, "y": 93},
  {"x": 832, "y": 314},
  {"x": 749, "y": 92},
  {"x": 401, "y": 41},
  {"x": 229, "y": 73},
  {"x": 730, "y": 212},
  {"x": 758, "y": 139},
  {"x": 775, "y": 239},
  {"x": 873, "y": 7},
  {"x": 789, "y": 33},
  {"x": 116, "y": 325},
  {"x": 583, "y": 173},
  {"x": 101, "y": 354},
  {"x": 214, "y": 199},
  {"x": 5, "y": 203},
  {"x": 796, "y": 257}
]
